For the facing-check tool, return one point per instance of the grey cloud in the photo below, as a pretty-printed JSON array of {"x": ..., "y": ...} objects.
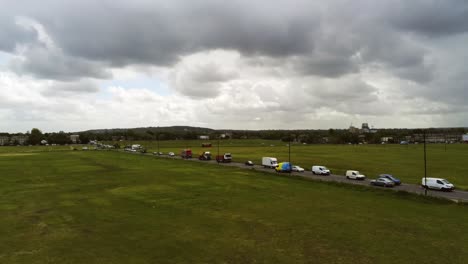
[
  {"x": 288, "y": 39},
  {"x": 11, "y": 34},
  {"x": 60, "y": 89},
  {"x": 430, "y": 17},
  {"x": 325, "y": 65},
  {"x": 118, "y": 33},
  {"x": 47, "y": 64}
]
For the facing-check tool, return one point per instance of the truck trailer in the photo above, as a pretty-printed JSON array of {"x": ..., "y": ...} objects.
[{"x": 269, "y": 162}]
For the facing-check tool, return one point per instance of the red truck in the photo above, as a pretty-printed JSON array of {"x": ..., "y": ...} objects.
[
  {"x": 186, "y": 154},
  {"x": 227, "y": 157}
]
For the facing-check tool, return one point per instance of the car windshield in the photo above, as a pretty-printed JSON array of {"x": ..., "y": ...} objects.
[{"x": 445, "y": 181}]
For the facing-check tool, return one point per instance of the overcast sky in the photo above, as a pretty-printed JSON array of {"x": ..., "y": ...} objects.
[{"x": 253, "y": 64}]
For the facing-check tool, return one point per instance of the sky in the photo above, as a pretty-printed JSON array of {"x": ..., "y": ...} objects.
[{"x": 295, "y": 64}]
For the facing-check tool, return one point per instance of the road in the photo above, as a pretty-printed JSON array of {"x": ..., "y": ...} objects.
[{"x": 456, "y": 195}]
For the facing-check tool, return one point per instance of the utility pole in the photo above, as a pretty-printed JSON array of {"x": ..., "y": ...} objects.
[
  {"x": 445, "y": 139},
  {"x": 218, "y": 147},
  {"x": 289, "y": 156},
  {"x": 425, "y": 166},
  {"x": 157, "y": 139}
]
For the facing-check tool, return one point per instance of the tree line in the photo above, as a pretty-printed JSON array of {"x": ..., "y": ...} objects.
[{"x": 330, "y": 136}]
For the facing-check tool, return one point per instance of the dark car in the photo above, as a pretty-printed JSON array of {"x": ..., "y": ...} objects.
[
  {"x": 249, "y": 163},
  {"x": 390, "y": 177},
  {"x": 384, "y": 182}
]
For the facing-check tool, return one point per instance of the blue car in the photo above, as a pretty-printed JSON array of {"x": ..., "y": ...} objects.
[{"x": 390, "y": 177}]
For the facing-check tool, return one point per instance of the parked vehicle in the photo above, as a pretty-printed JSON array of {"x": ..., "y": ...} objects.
[
  {"x": 206, "y": 155},
  {"x": 249, "y": 163},
  {"x": 283, "y": 167},
  {"x": 171, "y": 154},
  {"x": 269, "y": 162},
  {"x": 355, "y": 175},
  {"x": 186, "y": 154},
  {"x": 136, "y": 146},
  {"x": 320, "y": 170},
  {"x": 227, "y": 157},
  {"x": 297, "y": 168},
  {"x": 390, "y": 177},
  {"x": 437, "y": 184},
  {"x": 384, "y": 182}
]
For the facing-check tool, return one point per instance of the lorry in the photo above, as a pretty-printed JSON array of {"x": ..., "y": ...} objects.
[
  {"x": 186, "y": 154},
  {"x": 437, "y": 184},
  {"x": 283, "y": 167},
  {"x": 206, "y": 155},
  {"x": 269, "y": 162},
  {"x": 227, "y": 157}
]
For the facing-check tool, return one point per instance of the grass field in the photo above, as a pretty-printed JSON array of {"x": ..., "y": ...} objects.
[
  {"x": 111, "y": 207},
  {"x": 405, "y": 162}
]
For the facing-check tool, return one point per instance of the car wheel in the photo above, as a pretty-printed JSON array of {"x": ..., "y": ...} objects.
[{"x": 347, "y": 177}]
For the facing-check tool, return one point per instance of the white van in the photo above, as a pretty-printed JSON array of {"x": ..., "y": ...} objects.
[
  {"x": 355, "y": 175},
  {"x": 437, "y": 184},
  {"x": 269, "y": 162},
  {"x": 320, "y": 170}
]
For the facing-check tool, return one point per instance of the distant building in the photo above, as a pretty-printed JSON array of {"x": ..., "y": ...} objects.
[
  {"x": 465, "y": 138},
  {"x": 19, "y": 139},
  {"x": 354, "y": 130},
  {"x": 386, "y": 139},
  {"x": 365, "y": 128},
  {"x": 75, "y": 138},
  {"x": 438, "y": 138},
  {"x": 204, "y": 137},
  {"x": 4, "y": 140}
]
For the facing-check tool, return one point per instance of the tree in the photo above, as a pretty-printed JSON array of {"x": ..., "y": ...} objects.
[{"x": 35, "y": 137}]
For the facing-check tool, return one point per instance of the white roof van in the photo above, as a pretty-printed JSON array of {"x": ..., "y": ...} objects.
[
  {"x": 320, "y": 170},
  {"x": 437, "y": 184}
]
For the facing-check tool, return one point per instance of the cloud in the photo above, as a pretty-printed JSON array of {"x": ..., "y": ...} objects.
[
  {"x": 202, "y": 75},
  {"x": 61, "y": 89},
  {"x": 430, "y": 18},
  {"x": 42, "y": 58},
  {"x": 253, "y": 64}
]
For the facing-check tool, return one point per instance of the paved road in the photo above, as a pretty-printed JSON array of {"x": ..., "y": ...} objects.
[{"x": 456, "y": 195}]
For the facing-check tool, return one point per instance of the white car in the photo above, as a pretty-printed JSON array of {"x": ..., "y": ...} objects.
[
  {"x": 297, "y": 168},
  {"x": 355, "y": 175},
  {"x": 171, "y": 154}
]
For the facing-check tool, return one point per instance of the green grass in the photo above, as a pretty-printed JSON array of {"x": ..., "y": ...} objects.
[
  {"x": 110, "y": 207},
  {"x": 405, "y": 162}
]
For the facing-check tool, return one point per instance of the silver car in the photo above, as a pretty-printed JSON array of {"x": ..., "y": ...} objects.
[{"x": 384, "y": 182}]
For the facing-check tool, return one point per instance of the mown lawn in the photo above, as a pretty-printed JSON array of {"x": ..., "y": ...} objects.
[
  {"x": 110, "y": 207},
  {"x": 404, "y": 161}
]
